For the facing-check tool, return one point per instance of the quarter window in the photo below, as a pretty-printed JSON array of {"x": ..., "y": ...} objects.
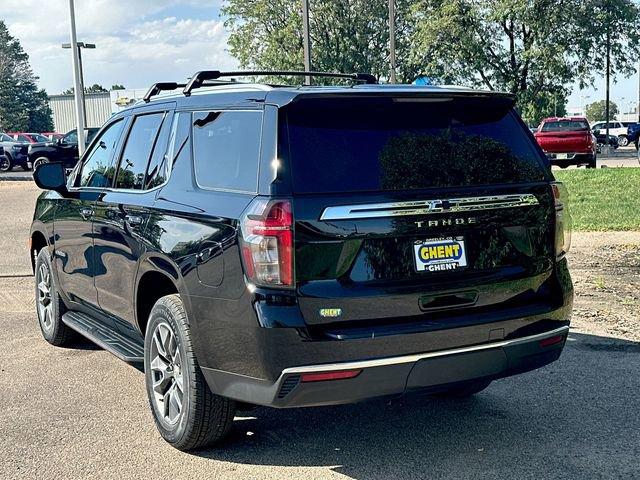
[
  {"x": 226, "y": 149},
  {"x": 137, "y": 151},
  {"x": 97, "y": 170}
]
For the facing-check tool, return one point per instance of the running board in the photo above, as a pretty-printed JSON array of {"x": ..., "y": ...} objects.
[{"x": 122, "y": 347}]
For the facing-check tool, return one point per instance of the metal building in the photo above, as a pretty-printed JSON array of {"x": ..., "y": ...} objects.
[{"x": 98, "y": 107}]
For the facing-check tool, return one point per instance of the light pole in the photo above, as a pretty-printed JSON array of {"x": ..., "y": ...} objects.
[
  {"x": 77, "y": 79},
  {"x": 582, "y": 105},
  {"x": 392, "y": 41},
  {"x": 81, "y": 45},
  {"x": 306, "y": 40}
]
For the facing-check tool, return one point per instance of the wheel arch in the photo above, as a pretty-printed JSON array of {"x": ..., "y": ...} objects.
[
  {"x": 157, "y": 277},
  {"x": 38, "y": 241}
]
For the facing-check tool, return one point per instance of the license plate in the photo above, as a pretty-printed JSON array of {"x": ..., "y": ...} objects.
[
  {"x": 562, "y": 156},
  {"x": 440, "y": 254}
]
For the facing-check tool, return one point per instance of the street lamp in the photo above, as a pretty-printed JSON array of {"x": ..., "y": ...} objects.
[
  {"x": 582, "y": 105},
  {"x": 81, "y": 45}
]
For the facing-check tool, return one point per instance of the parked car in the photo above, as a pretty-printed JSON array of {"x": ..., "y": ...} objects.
[
  {"x": 63, "y": 150},
  {"x": 615, "y": 128},
  {"x": 291, "y": 247},
  {"x": 567, "y": 141},
  {"x": 16, "y": 153},
  {"x": 3, "y": 160},
  {"x": 601, "y": 139},
  {"x": 23, "y": 137},
  {"x": 633, "y": 133}
]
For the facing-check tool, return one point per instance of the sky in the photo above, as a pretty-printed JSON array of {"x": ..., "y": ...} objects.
[{"x": 140, "y": 42}]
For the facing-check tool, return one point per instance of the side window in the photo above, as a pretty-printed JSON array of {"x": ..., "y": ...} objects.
[
  {"x": 226, "y": 148},
  {"x": 97, "y": 169},
  {"x": 71, "y": 137},
  {"x": 157, "y": 169},
  {"x": 137, "y": 151}
]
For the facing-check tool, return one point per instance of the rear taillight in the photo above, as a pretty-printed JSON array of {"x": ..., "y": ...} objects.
[
  {"x": 563, "y": 219},
  {"x": 267, "y": 242}
]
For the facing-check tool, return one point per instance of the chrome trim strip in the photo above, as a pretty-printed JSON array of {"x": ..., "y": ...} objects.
[
  {"x": 427, "y": 207},
  {"x": 380, "y": 362}
]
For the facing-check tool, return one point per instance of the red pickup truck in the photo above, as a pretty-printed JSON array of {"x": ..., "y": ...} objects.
[{"x": 567, "y": 141}]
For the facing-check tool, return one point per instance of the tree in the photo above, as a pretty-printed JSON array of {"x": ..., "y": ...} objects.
[
  {"x": 596, "y": 111},
  {"x": 23, "y": 107},
  {"x": 95, "y": 88},
  {"x": 346, "y": 35},
  {"x": 534, "y": 49},
  {"x": 117, "y": 86}
]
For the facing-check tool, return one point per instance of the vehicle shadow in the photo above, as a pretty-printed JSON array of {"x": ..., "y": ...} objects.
[{"x": 578, "y": 417}]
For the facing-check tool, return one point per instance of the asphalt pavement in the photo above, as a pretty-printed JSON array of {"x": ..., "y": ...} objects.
[{"x": 81, "y": 413}]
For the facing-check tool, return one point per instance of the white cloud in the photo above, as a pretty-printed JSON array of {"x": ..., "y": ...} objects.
[{"x": 136, "y": 44}]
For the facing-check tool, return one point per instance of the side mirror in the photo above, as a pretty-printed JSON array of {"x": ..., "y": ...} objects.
[{"x": 51, "y": 176}]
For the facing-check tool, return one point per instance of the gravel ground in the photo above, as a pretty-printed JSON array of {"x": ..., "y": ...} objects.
[{"x": 79, "y": 413}]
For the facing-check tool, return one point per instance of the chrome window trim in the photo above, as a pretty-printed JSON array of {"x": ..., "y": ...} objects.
[
  {"x": 381, "y": 362},
  {"x": 428, "y": 207}
]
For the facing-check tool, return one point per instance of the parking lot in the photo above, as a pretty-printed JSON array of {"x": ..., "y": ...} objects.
[{"x": 79, "y": 413}]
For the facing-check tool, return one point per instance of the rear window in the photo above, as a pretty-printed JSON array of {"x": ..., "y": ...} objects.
[
  {"x": 565, "y": 126},
  {"x": 373, "y": 144}
]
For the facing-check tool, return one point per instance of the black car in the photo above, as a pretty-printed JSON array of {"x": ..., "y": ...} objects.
[
  {"x": 64, "y": 150},
  {"x": 15, "y": 154},
  {"x": 601, "y": 140},
  {"x": 306, "y": 246}
]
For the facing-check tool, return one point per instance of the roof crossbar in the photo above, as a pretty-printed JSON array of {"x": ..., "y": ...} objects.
[
  {"x": 156, "y": 88},
  {"x": 199, "y": 79}
]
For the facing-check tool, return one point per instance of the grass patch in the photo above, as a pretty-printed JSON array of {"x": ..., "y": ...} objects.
[{"x": 604, "y": 198}]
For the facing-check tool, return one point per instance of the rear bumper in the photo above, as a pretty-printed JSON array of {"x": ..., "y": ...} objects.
[
  {"x": 396, "y": 375},
  {"x": 570, "y": 157}
]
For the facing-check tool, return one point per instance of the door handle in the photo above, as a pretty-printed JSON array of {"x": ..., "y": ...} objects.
[
  {"x": 133, "y": 220},
  {"x": 86, "y": 213}
]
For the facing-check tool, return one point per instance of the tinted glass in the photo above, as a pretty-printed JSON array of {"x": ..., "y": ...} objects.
[
  {"x": 71, "y": 137},
  {"x": 5, "y": 138},
  {"x": 157, "y": 169},
  {"x": 137, "y": 151},
  {"x": 366, "y": 144},
  {"x": 97, "y": 170},
  {"x": 226, "y": 148},
  {"x": 565, "y": 126}
]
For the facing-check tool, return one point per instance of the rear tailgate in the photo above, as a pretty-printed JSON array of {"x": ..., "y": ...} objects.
[
  {"x": 565, "y": 142},
  {"x": 407, "y": 210}
]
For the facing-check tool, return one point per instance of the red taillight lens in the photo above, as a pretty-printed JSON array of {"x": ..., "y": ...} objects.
[
  {"x": 547, "y": 342},
  {"x": 267, "y": 242},
  {"x": 325, "y": 376},
  {"x": 563, "y": 219}
]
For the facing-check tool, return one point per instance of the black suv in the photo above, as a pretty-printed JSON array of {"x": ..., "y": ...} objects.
[
  {"x": 64, "y": 150},
  {"x": 304, "y": 246}
]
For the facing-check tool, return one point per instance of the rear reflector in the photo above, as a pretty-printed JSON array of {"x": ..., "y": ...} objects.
[
  {"x": 324, "y": 376},
  {"x": 547, "y": 342}
]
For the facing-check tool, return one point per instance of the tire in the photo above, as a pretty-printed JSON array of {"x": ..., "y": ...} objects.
[
  {"x": 623, "y": 141},
  {"x": 49, "y": 306},
  {"x": 200, "y": 418},
  {"x": 39, "y": 161},
  {"x": 465, "y": 389},
  {"x": 6, "y": 165},
  {"x": 593, "y": 162}
]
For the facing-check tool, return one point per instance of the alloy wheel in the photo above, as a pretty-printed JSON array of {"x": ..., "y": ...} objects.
[
  {"x": 167, "y": 373},
  {"x": 45, "y": 304}
]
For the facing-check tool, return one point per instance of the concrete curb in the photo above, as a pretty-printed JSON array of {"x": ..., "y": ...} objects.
[{"x": 15, "y": 178}]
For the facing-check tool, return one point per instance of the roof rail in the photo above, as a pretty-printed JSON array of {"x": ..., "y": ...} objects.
[
  {"x": 202, "y": 76},
  {"x": 156, "y": 88}
]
